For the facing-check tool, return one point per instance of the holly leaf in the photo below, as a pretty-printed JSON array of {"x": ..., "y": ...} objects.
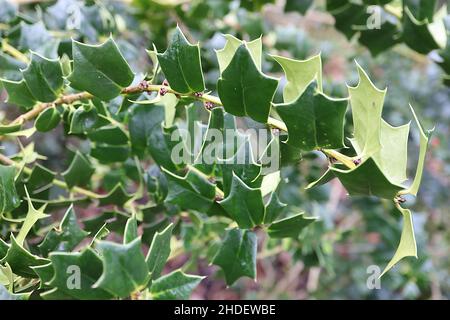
[
  {"x": 407, "y": 246},
  {"x": 159, "y": 251},
  {"x": 124, "y": 268},
  {"x": 75, "y": 275},
  {"x": 289, "y": 227},
  {"x": 111, "y": 134},
  {"x": 99, "y": 69},
  {"x": 37, "y": 38},
  {"x": 367, "y": 179},
  {"x": 47, "y": 120},
  {"x": 244, "y": 204},
  {"x": 79, "y": 171},
  {"x": 244, "y": 90},
  {"x": 18, "y": 93},
  {"x": 131, "y": 230},
  {"x": 237, "y": 255},
  {"x": 274, "y": 208},
  {"x": 226, "y": 54},
  {"x": 175, "y": 285},
  {"x": 65, "y": 237},
  {"x": 181, "y": 64},
  {"x": 367, "y": 104},
  {"x": 314, "y": 120},
  {"x": 299, "y": 75},
  {"x": 117, "y": 196},
  {"x": 43, "y": 78},
  {"x": 416, "y": 33},
  {"x": 9, "y": 198}
]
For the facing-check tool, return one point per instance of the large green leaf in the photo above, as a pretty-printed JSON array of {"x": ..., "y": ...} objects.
[
  {"x": 181, "y": 64},
  {"x": 367, "y": 179},
  {"x": 407, "y": 246},
  {"x": 237, "y": 255},
  {"x": 299, "y": 75},
  {"x": 9, "y": 198},
  {"x": 244, "y": 204},
  {"x": 314, "y": 120},
  {"x": 244, "y": 90},
  {"x": 124, "y": 268},
  {"x": 175, "y": 285},
  {"x": 159, "y": 251},
  {"x": 75, "y": 274},
  {"x": 18, "y": 93},
  {"x": 99, "y": 69},
  {"x": 44, "y": 78}
]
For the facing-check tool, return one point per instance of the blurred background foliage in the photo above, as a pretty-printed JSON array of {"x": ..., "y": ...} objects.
[{"x": 332, "y": 258}]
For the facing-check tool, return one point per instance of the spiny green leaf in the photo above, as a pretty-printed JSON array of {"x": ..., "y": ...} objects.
[
  {"x": 314, "y": 120},
  {"x": 367, "y": 104},
  {"x": 181, "y": 64},
  {"x": 159, "y": 251},
  {"x": 110, "y": 153},
  {"x": 237, "y": 255},
  {"x": 76, "y": 273},
  {"x": 226, "y": 54},
  {"x": 274, "y": 208},
  {"x": 407, "y": 246},
  {"x": 124, "y": 268},
  {"x": 175, "y": 285},
  {"x": 110, "y": 134},
  {"x": 43, "y": 78},
  {"x": 117, "y": 196},
  {"x": 99, "y": 69},
  {"x": 79, "y": 171},
  {"x": 290, "y": 227},
  {"x": 299, "y": 74},
  {"x": 244, "y": 90},
  {"x": 367, "y": 179},
  {"x": 131, "y": 230},
  {"x": 18, "y": 93},
  {"x": 9, "y": 199},
  {"x": 66, "y": 237},
  {"x": 244, "y": 204}
]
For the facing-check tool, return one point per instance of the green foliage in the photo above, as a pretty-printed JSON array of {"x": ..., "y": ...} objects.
[{"x": 121, "y": 125}]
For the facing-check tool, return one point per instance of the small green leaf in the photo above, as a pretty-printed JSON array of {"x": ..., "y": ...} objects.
[
  {"x": 10, "y": 128},
  {"x": 99, "y": 69},
  {"x": 110, "y": 134},
  {"x": 290, "y": 227},
  {"x": 314, "y": 120},
  {"x": 159, "y": 251},
  {"x": 43, "y": 78},
  {"x": 110, "y": 153},
  {"x": 124, "y": 268},
  {"x": 9, "y": 198},
  {"x": 407, "y": 246},
  {"x": 181, "y": 64},
  {"x": 131, "y": 230},
  {"x": 117, "y": 196},
  {"x": 47, "y": 120},
  {"x": 176, "y": 285},
  {"x": 299, "y": 75},
  {"x": 79, "y": 171},
  {"x": 274, "y": 208},
  {"x": 237, "y": 255},
  {"x": 244, "y": 204},
  {"x": 18, "y": 93},
  {"x": 83, "y": 119},
  {"x": 244, "y": 90}
]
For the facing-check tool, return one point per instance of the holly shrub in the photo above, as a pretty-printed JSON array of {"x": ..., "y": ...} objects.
[{"x": 167, "y": 165}]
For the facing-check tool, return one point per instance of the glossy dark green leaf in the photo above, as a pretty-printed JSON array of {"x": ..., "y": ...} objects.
[
  {"x": 111, "y": 134},
  {"x": 181, "y": 64},
  {"x": 76, "y": 273},
  {"x": 314, "y": 120},
  {"x": 124, "y": 268},
  {"x": 274, "y": 208},
  {"x": 244, "y": 90},
  {"x": 131, "y": 230},
  {"x": 44, "y": 78},
  {"x": 100, "y": 70},
  {"x": 237, "y": 255},
  {"x": 47, "y": 120},
  {"x": 117, "y": 196},
  {"x": 79, "y": 171},
  {"x": 110, "y": 153},
  {"x": 18, "y": 93},
  {"x": 244, "y": 204},
  {"x": 416, "y": 33},
  {"x": 65, "y": 237},
  {"x": 10, "y": 128},
  {"x": 9, "y": 199},
  {"x": 83, "y": 119},
  {"x": 289, "y": 227},
  {"x": 176, "y": 285},
  {"x": 159, "y": 251}
]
